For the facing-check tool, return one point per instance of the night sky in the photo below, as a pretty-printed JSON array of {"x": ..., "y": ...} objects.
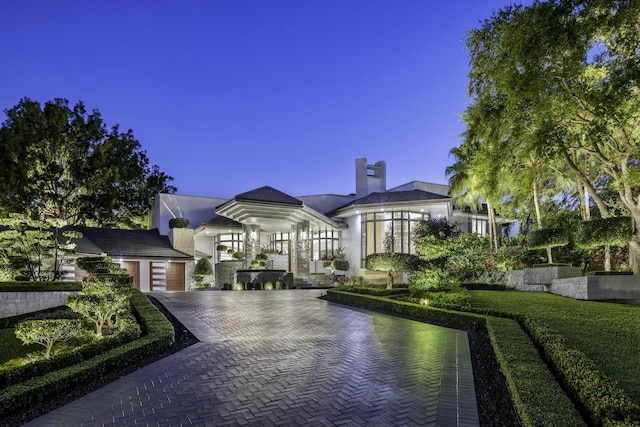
[{"x": 227, "y": 96}]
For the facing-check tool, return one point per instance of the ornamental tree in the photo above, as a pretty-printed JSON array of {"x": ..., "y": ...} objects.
[
  {"x": 58, "y": 161},
  {"x": 35, "y": 249},
  {"x": 100, "y": 301},
  {"x": 392, "y": 263},
  {"x": 47, "y": 332}
]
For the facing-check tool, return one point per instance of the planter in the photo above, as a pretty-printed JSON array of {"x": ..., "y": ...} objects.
[
  {"x": 546, "y": 275},
  {"x": 226, "y": 272},
  {"x": 598, "y": 288}
]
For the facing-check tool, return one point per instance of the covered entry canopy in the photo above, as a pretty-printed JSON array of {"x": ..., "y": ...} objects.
[{"x": 272, "y": 210}]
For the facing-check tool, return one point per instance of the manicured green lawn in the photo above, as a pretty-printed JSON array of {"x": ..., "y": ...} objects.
[
  {"x": 12, "y": 347},
  {"x": 607, "y": 333}
]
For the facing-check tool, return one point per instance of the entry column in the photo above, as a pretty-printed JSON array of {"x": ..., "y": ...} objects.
[
  {"x": 300, "y": 249},
  {"x": 251, "y": 242}
]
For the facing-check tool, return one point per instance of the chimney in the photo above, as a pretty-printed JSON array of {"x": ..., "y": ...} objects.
[{"x": 370, "y": 178}]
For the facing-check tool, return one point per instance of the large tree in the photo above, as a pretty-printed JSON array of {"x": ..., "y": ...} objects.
[
  {"x": 567, "y": 73},
  {"x": 61, "y": 162}
]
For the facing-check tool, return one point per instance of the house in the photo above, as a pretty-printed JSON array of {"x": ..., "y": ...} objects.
[
  {"x": 156, "y": 262},
  {"x": 300, "y": 232}
]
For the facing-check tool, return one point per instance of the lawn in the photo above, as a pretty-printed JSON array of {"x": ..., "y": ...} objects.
[
  {"x": 12, "y": 347},
  {"x": 607, "y": 333}
]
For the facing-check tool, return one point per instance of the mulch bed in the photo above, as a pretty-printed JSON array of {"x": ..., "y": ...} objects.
[{"x": 495, "y": 407}]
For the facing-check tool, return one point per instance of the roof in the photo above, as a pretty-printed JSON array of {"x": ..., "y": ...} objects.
[
  {"x": 268, "y": 194},
  {"x": 125, "y": 243},
  {"x": 220, "y": 221},
  {"x": 393, "y": 197}
]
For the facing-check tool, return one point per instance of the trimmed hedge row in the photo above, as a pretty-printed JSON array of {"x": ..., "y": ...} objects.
[
  {"x": 381, "y": 292},
  {"x": 598, "y": 232},
  {"x": 39, "y": 286},
  {"x": 11, "y": 374},
  {"x": 538, "y": 398},
  {"x": 405, "y": 309},
  {"x": 159, "y": 335},
  {"x": 547, "y": 238},
  {"x": 599, "y": 397}
]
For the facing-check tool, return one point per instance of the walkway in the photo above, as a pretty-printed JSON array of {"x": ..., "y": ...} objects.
[{"x": 288, "y": 358}]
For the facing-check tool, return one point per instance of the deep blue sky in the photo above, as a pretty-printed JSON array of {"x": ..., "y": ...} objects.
[{"x": 227, "y": 96}]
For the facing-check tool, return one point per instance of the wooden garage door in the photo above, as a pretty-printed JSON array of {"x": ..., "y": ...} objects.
[
  {"x": 175, "y": 276},
  {"x": 133, "y": 267}
]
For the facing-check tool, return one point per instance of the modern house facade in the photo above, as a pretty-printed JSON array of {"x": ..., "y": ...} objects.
[{"x": 300, "y": 232}]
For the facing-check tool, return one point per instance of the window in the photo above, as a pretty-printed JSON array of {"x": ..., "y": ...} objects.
[
  {"x": 280, "y": 243},
  {"x": 234, "y": 243},
  {"x": 324, "y": 244},
  {"x": 389, "y": 232},
  {"x": 479, "y": 226}
]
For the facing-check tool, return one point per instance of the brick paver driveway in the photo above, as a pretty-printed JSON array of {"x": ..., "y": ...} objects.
[{"x": 288, "y": 358}]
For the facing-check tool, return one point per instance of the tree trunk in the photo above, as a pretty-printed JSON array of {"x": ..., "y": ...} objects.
[
  {"x": 536, "y": 203},
  {"x": 607, "y": 257}
]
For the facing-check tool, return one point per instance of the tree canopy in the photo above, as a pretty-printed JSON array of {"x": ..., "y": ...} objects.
[
  {"x": 62, "y": 162},
  {"x": 555, "y": 108}
]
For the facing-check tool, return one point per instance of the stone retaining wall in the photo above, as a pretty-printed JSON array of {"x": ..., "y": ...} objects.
[{"x": 15, "y": 303}]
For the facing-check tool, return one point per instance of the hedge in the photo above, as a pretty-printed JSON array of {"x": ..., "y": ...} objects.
[
  {"x": 538, "y": 398},
  {"x": 159, "y": 335},
  {"x": 547, "y": 237},
  {"x": 599, "y": 397},
  {"x": 605, "y": 231},
  {"x": 39, "y": 286},
  {"x": 425, "y": 313},
  {"x": 368, "y": 290},
  {"x": 179, "y": 223}
]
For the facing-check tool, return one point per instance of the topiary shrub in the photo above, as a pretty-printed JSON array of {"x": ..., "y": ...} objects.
[
  {"x": 179, "y": 223},
  {"x": 392, "y": 263},
  {"x": 203, "y": 268},
  {"x": 547, "y": 238},
  {"x": 222, "y": 248},
  {"x": 341, "y": 264},
  {"x": 605, "y": 231}
]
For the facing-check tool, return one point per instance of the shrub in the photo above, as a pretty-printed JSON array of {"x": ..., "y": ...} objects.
[
  {"x": 238, "y": 256},
  {"x": 221, "y": 248},
  {"x": 100, "y": 301},
  {"x": 238, "y": 287},
  {"x": 203, "y": 268},
  {"x": 392, "y": 263},
  {"x": 278, "y": 284},
  {"x": 433, "y": 279},
  {"x": 605, "y": 231},
  {"x": 47, "y": 332},
  {"x": 268, "y": 286},
  {"x": 90, "y": 361},
  {"x": 547, "y": 237},
  {"x": 179, "y": 223},
  {"x": 450, "y": 300}
]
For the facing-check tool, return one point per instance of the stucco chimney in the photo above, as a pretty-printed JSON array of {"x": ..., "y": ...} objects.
[{"x": 370, "y": 178}]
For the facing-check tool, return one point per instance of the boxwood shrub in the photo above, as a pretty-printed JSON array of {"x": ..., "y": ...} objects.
[
  {"x": 179, "y": 223},
  {"x": 158, "y": 334}
]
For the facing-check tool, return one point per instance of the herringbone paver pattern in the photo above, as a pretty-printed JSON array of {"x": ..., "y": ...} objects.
[{"x": 286, "y": 358}]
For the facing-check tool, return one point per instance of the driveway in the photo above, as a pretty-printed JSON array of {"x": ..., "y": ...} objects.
[{"x": 289, "y": 358}]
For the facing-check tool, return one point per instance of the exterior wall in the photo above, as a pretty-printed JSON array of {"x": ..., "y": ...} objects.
[
  {"x": 352, "y": 242},
  {"x": 182, "y": 240},
  {"x": 15, "y": 303},
  {"x": 196, "y": 209}
]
